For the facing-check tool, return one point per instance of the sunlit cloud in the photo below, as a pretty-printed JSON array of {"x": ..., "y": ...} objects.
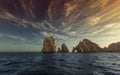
[
  {"x": 92, "y": 20},
  {"x": 57, "y": 36}
]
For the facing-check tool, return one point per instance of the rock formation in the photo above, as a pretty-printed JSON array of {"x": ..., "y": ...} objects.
[
  {"x": 59, "y": 50},
  {"x": 114, "y": 47},
  {"x": 87, "y": 46},
  {"x": 64, "y": 48},
  {"x": 49, "y": 45},
  {"x": 74, "y": 49}
]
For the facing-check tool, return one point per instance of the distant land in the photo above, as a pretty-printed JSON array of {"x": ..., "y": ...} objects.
[{"x": 49, "y": 45}]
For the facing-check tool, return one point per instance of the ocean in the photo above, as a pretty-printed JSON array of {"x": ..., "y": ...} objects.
[{"x": 59, "y": 63}]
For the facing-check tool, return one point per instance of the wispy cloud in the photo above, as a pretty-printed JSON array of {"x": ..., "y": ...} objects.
[
  {"x": 78, "y": 19},
  {"x": 15, "y": 37}
]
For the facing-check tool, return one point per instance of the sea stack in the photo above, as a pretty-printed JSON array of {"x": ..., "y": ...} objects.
[
  {"x": 64, "y": 48},
  {"x": 87, "y": 46},
  {"x": 49, "y": 45}
]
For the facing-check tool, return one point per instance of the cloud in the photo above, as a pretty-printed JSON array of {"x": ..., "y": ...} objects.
[
  {"x": 70, "y": 6},
  {"x": 67, "y": 29},
  {"x": 109, "y": 29},
  {"x": 71, "y": 33},
  {"x": 67, "y": 18},
  {"x": 11, "y": 37},
  {"x": 7, "y": 15},
  {"x": 57, "y": 36},
  {"x": 42, "y": 25},
  {"x": 50, "y": 25},
  {"x": 92, "y": 20}
]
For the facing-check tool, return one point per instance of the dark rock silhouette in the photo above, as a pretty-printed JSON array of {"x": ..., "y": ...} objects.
[
  {"x": 87, "y": 46},
  {"x": 114, "y": 47},
  {"x": 59, "y": 50},
  {"x": 49, "y": 45},
  {"x": 64, "y": 48}
]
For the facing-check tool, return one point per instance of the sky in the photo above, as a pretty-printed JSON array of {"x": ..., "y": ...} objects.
[{"x": 25, "y": 23}]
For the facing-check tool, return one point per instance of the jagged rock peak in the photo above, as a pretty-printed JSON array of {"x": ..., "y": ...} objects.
[
  {"x": 49, "y": 44},
  {"x": 86, "y": 40},
  {"x": 87, "y": 46},
  {"x": 64, "y": 48}
]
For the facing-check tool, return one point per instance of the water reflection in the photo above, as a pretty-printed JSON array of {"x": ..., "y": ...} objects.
[
  {"x": 48, "y": 63},
  {"x": 69, "y": 63}
]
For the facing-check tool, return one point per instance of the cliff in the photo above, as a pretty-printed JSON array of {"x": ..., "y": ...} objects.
[
  {"x": 49, "y": 45},
  {"x": 87, "y": 46}
]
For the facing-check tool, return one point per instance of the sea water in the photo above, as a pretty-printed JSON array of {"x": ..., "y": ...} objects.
[{"x": 59, "y": 63}]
